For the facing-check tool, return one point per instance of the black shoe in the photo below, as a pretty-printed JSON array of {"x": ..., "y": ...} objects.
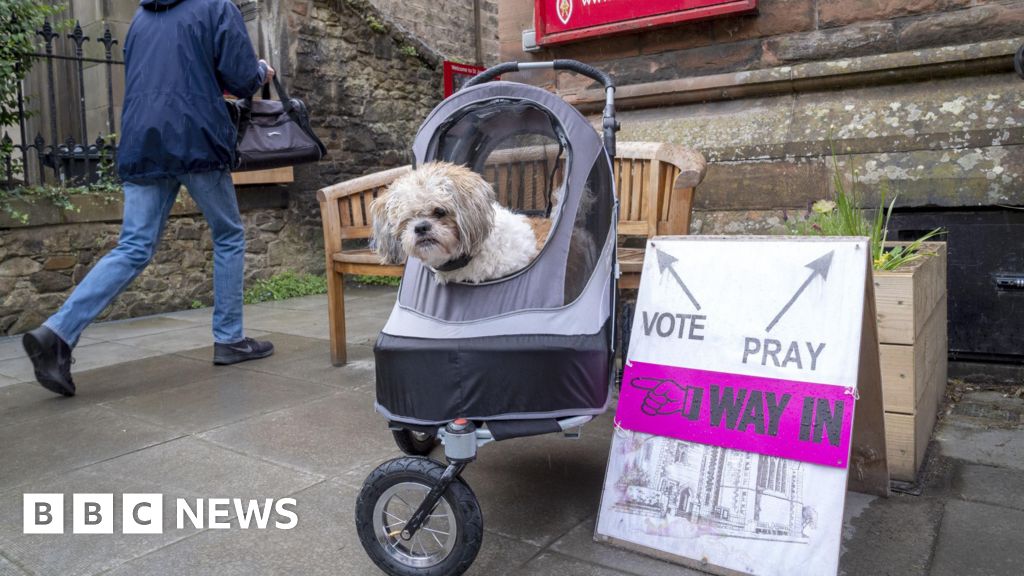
[
  {"x": 244, "y": 349},
  {"x": 51, "y": 358}
]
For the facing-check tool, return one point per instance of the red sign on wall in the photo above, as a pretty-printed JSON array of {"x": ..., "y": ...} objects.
[
  {"x": 455, "y": 75},
  {"x": 558, "y": 21}
]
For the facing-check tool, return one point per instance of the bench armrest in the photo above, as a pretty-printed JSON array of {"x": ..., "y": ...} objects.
[{"x": 691, "y": 164}]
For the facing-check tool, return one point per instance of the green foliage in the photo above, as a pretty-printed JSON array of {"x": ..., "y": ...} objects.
[
  {"x": 375, "y": 25},
  {"x": 107, "y": 185},
  {"x": 840, "y": 216},
  {"x": 376, "y": 280},
  {"x": 283, "y": 286},
  {"x": 19, "y": 20},
  {"x": 409, "y": 50},
  {"x": 195, "y": 305}
]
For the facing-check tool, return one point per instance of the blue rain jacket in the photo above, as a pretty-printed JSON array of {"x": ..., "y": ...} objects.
[{"x": 180, "y": 57}]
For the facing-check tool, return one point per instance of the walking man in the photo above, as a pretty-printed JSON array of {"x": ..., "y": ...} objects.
[{"x": 180, "y": 57}]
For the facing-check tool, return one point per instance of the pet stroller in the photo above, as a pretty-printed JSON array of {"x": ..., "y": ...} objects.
[{"x": 527, "y": 354}]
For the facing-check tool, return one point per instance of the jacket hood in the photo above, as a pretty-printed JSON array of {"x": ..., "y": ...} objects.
[{"x": 159, "y": 4}]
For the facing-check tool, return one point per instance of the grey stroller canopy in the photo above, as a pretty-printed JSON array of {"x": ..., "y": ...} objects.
[{"x": 535, "y": 344}]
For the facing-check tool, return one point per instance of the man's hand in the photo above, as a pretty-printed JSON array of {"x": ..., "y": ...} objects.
[
  {"x": 270, "y": 72},
  {"x": 663, "y": 396}
]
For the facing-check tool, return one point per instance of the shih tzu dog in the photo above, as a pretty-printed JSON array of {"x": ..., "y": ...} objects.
[{"x": 447, "y": 216}]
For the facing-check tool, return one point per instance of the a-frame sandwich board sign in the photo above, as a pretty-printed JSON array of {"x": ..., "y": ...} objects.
[{"x": 751, "y": 394}]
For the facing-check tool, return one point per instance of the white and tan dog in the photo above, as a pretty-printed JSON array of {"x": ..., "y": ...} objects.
[{"x": 447, "y": 216}]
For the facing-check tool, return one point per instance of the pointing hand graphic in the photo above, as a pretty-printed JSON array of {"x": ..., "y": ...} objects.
[{"x": 663, "y": 396}]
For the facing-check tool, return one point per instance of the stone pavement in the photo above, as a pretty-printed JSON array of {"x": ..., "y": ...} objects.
[{"x": 154, "y": 416}]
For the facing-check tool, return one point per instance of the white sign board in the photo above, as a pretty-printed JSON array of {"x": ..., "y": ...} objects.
[{"x": 736, "y": 412}]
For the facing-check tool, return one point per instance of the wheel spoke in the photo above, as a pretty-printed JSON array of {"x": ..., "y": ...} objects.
[
  {"x": 407, "y": 505},
  {"x": 435, "y": 538}
]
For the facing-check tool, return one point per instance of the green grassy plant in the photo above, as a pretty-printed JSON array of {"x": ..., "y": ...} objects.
[
  {"x": 840, "y": 216},
  {"x": 376, "y": 280},
  {"x": 283, "y": 286}
]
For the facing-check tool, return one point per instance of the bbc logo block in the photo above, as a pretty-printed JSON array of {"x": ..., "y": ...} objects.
[
  {"x": 43, "y": 514},
  {"x": 93, "y": 513}
]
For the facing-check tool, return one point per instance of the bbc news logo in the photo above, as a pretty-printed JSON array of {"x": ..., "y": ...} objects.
[{"x": 144, "y": 513}]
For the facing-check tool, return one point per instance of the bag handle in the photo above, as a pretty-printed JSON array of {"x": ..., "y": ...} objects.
[{"x": 282, "y": 96}]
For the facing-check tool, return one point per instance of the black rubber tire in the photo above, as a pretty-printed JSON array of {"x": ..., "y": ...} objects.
[
  {"x": 409, "y": 444},
  {"x": 464, "y": 505}
]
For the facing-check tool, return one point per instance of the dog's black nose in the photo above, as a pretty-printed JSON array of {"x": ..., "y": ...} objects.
[{"x": 422, "y": 227}]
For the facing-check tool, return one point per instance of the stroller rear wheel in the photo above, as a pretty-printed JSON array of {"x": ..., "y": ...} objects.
[
  {"x": 414, "y": 443},
  {"x": 446, "y": 543}
]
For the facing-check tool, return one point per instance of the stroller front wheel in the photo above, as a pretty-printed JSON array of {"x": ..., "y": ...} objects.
[{"x": 446, "y": 543}]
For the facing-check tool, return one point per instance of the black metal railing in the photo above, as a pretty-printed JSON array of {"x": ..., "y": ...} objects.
[{"x": 68, "y": 154}]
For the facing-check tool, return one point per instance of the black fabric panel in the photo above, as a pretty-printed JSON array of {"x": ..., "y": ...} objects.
[
  {"x": 487, "y": 378},
  {"x": 505, "y": 429}
]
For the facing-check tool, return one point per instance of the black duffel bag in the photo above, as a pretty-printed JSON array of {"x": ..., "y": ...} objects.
[{"x": 273, "y": 133}]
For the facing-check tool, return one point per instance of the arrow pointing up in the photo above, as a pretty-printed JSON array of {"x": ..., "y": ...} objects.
[
  {"x": 819, "y": 267},
  {"x": 665, "y": 262}
]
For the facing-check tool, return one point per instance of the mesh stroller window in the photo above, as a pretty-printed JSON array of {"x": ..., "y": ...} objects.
[
  {"x": 518, "y": 147},
  {"x": 590, "y": 230}
]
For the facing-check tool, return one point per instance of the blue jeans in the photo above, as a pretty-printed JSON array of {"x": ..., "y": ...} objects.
[{"x": 146, "y": 209}]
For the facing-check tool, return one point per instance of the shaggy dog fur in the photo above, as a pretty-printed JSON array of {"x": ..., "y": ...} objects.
[{"x": 443, "y": 214}]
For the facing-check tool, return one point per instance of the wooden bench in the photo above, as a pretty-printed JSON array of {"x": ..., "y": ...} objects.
[{"x": 655, "y": 183}]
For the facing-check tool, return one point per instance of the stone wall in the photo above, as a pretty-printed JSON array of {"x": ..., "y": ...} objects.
[
  {"x": 39, "y": 265},
  {"x": 448, "y": 26},
  {"x": 368, "y": 86}
]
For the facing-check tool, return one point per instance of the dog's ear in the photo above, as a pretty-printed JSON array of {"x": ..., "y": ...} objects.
[
  {"x": 385, "y": 241},
  {"x": 474, "y": 210}
]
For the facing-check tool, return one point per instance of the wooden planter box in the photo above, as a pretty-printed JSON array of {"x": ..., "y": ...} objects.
[{"x": 911, "y": 308}]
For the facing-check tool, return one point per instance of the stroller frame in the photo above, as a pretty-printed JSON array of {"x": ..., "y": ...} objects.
[{"x": 393, "y": 546}]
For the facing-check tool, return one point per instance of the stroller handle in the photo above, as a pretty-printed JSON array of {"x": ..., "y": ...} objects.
[
  {"x": 610, "y": 125},
  {"x": 1018, "y": 61}
]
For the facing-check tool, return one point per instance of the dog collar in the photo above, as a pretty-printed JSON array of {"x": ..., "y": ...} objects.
[{"x": 455, "y": 263}]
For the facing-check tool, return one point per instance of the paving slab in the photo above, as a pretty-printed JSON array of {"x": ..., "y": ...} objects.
[
  {"x": 87, "y": 357},
  {"x": 195, "y": 315},
  {"x": 133, "y": 328},
  {"x": 73, "y": 439},
  {"x": 539, "y": 488},
  {"x": 287, "y": 347},
  {"x": 980, "y": 444},
  {"x": 8, "y": 381},
  {"x": 892, "y": 537},
  {"x": 10, "y": 347},
  {"x": 979, "y": 540},
  {"x": 230, "y": 396},
  {"x": 553, "y": 564},
  {"x": 336, "y": 436},
  {"x": 853, "y": 507},
  {"x": 317, "y": 302},
  {"x": 195, "y": 336},
  {"x": 28, "y": 401},
  {"x": 323, "y": 543},
  {"x": 8, "y": 569},
  {"x": 579, "y": 544},
  {"x": 309, "y": 323},
  {"x": 358, "y": 374},
  {"x": 991, "y": 485},
  {"x": 185, "y": 468}
]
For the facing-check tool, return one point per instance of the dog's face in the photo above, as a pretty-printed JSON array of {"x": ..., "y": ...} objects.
[{"x": 437, "y": 213}]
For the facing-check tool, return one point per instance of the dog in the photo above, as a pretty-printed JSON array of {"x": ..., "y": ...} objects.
[{"x": 447, "y": 216}]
